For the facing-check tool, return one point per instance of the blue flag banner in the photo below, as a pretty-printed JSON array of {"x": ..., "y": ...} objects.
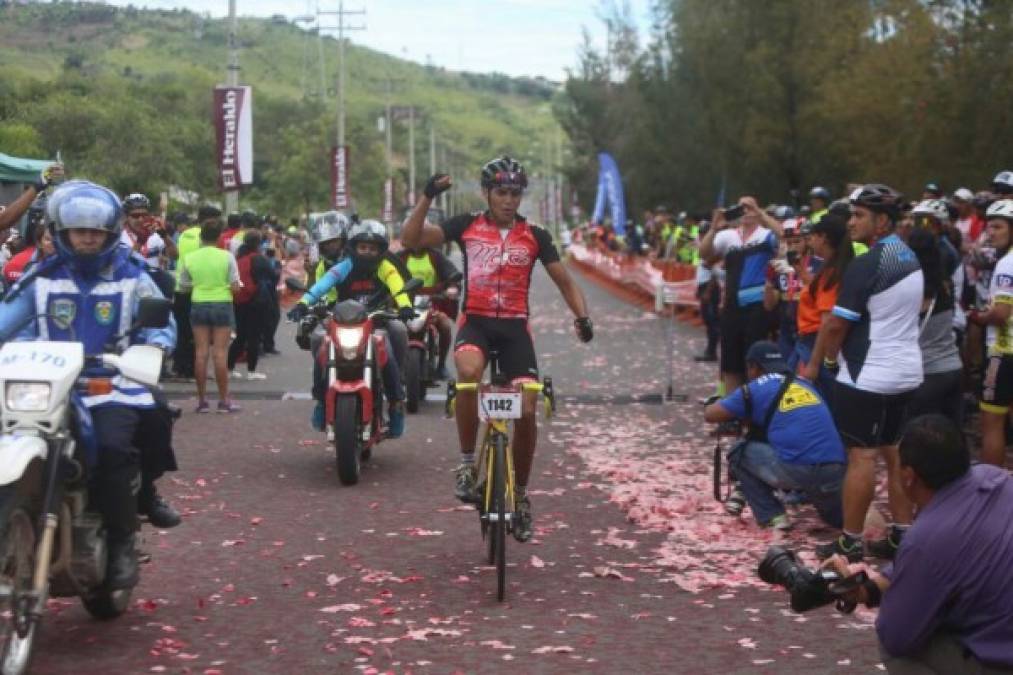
[{"x": 610, "y": 192}]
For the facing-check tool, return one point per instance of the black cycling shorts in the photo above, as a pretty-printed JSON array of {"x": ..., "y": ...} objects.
[
  {"x": 740, "y": 328},
  {"x": 866, "y": 419},
  {"x": 511, "y": 338},
  {"x": 997, "y": 385}
]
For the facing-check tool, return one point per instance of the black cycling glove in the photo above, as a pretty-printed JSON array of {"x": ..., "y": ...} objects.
[
  {"x": 300, "y": 310},
  {"x": 406, "y": 314},
  {"x": 585, "y": 329},
  {"x": 433, "y": 189}
]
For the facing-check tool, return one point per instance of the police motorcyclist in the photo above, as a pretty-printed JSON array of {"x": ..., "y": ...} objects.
[
  {"x": 363, "y": 272},
  {"x": 89, "y": 292}
]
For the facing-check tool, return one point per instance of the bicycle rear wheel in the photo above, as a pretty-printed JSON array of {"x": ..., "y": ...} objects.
[{"x": 499, "y": 530}]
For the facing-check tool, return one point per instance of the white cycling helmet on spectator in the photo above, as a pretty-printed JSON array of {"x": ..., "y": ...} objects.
[
  {"x": 784, "y": 212},
  {"x": 936, "y": 208},
  {"x": 793, "y": 226},
  {"x": 1002, "y": 184},
  {"x": 1001, "y": 209}
]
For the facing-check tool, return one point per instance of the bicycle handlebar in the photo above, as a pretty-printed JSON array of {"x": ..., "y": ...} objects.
[
  {"x": 474, "y": 386},
  {"x": 545, "y": 387}
]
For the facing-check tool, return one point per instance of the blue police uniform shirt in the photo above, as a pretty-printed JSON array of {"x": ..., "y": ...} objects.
[
  {"x": 802, "y": 430},
  {"x": 92, "y": 311}
]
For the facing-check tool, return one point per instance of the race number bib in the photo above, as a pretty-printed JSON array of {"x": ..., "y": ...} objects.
[{"x": 498, "y": 405}]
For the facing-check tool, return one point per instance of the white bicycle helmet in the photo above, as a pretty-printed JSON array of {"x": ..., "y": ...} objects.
[
  {"x": 1003, "y": 182},
  {"x": 1001, "y": 209},
  {"x": 935, "y": 208}
]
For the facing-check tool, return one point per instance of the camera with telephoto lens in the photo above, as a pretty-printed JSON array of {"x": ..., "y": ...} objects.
[{"x": 808, "y": 588}]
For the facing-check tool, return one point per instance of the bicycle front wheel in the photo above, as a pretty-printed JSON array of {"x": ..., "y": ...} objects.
[{"x": 499, "y": 530}]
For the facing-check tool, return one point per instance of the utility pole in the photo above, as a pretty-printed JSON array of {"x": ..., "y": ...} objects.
[
  {"x": 341, "y": 28},
  {"x": 340, "y": 158},
  {"x": 232, "y": 80},
  {"x": 432, "y": 148},
  {"x": 390, "y": 135},
  {"x": 443, "y": 165},
  {"x": 411, "y": 154}
]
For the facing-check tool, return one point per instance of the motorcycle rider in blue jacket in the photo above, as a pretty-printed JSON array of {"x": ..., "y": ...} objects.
[{"x": 89, "y": 292}]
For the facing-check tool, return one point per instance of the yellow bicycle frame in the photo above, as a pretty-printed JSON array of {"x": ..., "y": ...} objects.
[{"x": 498, "y": 426}]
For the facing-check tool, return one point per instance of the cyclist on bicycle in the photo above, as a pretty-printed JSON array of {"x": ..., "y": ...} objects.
[{"x": 500, "y": 249}]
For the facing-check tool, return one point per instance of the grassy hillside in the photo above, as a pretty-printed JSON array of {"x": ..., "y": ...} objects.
[{"x": 94, "y": 52}]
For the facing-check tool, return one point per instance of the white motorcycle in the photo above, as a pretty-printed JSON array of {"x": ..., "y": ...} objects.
[{"x": 50, "y": 544}]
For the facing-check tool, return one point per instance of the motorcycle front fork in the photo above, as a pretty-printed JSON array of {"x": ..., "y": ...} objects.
[
  {"x": 332, "y": 376},
  {"x": 33, "y": 604}
]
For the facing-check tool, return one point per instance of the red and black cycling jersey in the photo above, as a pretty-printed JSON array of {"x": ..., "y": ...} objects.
[{"x": 498, "y": 263}]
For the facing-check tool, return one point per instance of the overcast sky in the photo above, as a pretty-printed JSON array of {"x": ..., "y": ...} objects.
[{"x": 517, "y": 37}]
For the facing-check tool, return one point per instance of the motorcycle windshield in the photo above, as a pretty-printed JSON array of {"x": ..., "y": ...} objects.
[{"x": 350, "y": 312}]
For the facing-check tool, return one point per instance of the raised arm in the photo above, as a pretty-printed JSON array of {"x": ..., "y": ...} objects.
[{"x": 416, "y": 233}]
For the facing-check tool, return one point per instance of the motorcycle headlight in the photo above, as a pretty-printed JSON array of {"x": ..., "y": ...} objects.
[
  {"x": 27, "y": 396},
  {"x": 348, "y": 340}
]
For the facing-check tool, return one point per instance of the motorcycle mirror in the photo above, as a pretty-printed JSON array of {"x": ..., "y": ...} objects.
[
  {"x": 293, "y": 284},
  {"x": 153, "y": 313}
]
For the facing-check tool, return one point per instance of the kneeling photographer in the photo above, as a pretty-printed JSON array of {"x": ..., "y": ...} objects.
[
  {"x": 946, "y": 602},
  {"x": 792, "y": 443}
]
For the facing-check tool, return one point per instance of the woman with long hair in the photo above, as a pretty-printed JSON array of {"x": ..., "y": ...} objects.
[
  {"x": 828, "y": 240},
  {"x": 940, "y": 391}
]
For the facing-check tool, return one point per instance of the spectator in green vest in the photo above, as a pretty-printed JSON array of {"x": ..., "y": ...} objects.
[
  {"x": 212, "y": 276},
  {"x": 819, "y": 203},
  {"x": 187, "y": 241}
]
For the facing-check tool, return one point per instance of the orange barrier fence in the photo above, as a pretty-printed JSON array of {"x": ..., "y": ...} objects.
[{"x": 661, "y": 283}]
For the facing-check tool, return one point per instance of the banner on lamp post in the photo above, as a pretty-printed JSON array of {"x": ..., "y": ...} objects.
[
  {"x": 233, "y": 118},
  {"x": 388, "y": 200},
  {"x": 340, "y": 196}
]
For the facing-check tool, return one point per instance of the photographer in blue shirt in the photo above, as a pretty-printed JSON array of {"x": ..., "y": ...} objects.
[{"x": 792, "y": 442}]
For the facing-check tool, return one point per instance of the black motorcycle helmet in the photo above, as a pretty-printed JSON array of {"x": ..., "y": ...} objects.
[{"x": 370, "y": 231}]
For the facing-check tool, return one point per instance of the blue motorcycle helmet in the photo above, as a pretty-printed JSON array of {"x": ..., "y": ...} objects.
[{"x": 83, "y": 205}]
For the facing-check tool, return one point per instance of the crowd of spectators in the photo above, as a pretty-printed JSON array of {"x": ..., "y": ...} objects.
[
  {"x": 887, "y": 316},
  {"x": 871, "y": 327}
]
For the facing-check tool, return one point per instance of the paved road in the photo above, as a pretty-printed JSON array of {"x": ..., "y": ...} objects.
[{"x": 278, "y": 569}]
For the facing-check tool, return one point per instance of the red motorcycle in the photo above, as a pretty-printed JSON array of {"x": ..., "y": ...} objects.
[
  {"x": 424, "y": 346},
  {"x": 353, "y": 357}
]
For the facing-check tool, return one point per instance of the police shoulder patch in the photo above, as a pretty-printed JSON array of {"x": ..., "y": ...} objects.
[{"x": 63, "y": 311}]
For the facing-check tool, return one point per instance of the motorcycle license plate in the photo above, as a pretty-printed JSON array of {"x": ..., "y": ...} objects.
[{"x": 500, "y": 405}]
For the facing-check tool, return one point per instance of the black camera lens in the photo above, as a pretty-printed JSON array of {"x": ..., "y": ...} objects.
[
  {"x": 808, "y": 589},
  {"x": 778, "y": 566}
]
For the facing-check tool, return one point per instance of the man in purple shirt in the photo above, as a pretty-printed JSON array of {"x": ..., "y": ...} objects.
[{"x": 947, "y": 599}]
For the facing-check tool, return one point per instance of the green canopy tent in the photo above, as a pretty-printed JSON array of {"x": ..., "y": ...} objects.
[
  {"x": 20, "y": 170},
  {"x": 15, "y": 174}
]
